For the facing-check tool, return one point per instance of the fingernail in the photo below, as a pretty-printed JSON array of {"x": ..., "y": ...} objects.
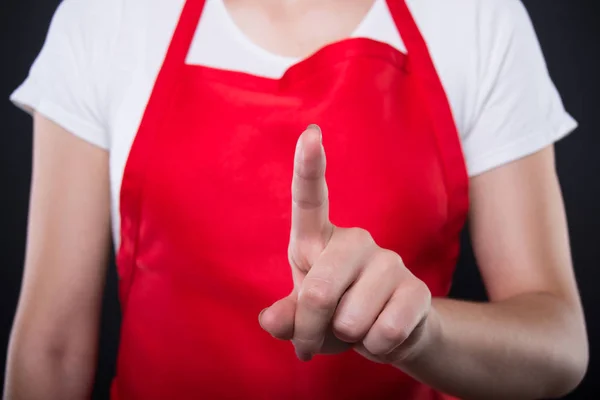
[
  {"x": 261, "y": 314},
  {"x": 303, "y": 356},
  {"x": 318, "y": 129}
]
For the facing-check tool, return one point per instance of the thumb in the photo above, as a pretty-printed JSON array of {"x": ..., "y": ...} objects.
[{"x": 278, "y": 319}]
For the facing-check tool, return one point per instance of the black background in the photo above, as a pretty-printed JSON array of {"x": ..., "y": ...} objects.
[{"x": 569, "y": 32}]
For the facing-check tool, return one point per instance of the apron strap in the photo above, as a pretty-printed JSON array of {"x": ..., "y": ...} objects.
[
  {"x": 174, "y": 60},
  {"x": 131, "y": 189},
  {"x": 420, "y": 63},
  {"x": 184, "y": 33},
  {"x": 411, "y": 35}
]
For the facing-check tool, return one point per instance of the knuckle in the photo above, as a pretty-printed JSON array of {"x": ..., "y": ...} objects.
[
  {"x": 305, "y": 202},
  {"x": 393, "y": 258},
  {"x": 308, "y": 171},
  {"x": 349, "y": 328},
  {"x": 373, "y": 349},
  {"x": 318, "y": 294},
  {"x": 389, "y": 260},
  {"x": 392, "y": 331},
  {"x": 359, "y": 235},
  {"x": 423, "y": 291},
  {"x": 420, "y": 291}
]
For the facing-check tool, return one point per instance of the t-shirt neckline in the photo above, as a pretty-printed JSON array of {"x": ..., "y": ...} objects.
[{"x": 260, "y": 51}]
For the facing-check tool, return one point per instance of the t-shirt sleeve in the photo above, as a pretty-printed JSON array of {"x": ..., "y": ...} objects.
[
  {"x": 66, "y": 80},
  {"x": 518, "y": 108}
]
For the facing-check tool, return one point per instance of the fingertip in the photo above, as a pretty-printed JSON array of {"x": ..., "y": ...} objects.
[
  {"x": 260, "y": 314},
  {"x": 309, "y": 147},
  {"x": 303, "y": 356},
  {"x": 314, "y": 133},
  {"x": 278, "y": 320},
  {"x": 266, "y": 319},
  {"x": 316, "y": 128}
]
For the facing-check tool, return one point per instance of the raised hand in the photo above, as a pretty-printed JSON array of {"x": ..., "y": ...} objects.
[{"x": 348, "y": 292}]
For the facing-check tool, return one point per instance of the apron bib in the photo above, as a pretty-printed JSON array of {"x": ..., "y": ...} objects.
[{"x": 206, "y": 202}]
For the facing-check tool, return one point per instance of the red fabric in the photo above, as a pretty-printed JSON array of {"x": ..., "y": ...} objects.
[{"x": 205, "y": 208}]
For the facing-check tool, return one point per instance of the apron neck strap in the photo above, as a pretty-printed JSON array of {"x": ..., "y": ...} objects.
[
  {"x": 192, "y": 12},
  {"x": 416, "y": 47},
  {"x": 184, "y": 33}
]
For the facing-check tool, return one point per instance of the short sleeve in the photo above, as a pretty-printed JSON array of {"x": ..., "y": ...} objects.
[
  {"x": 518, "y": 108},
  {"x": 66, "y": 80}
]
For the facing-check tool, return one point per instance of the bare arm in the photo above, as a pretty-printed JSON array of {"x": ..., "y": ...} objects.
[
  {"x": 52, "y": 351},
  {"x": 530, "y": 341}
]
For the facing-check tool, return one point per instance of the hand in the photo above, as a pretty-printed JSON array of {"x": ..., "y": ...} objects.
[{"x": 348, "y": 292}]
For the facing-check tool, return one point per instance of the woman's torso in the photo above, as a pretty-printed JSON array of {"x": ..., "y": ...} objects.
[
  {"x": 205, "y": 209},
  {"x": 145, "y": 34}
]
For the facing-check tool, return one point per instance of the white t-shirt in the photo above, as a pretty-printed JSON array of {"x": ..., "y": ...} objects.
[{"x": 98, "y": 65}]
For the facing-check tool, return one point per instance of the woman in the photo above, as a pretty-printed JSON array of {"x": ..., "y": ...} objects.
[{"x": 183, "y": 121}]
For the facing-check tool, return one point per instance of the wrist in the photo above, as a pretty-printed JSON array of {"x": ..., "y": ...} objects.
[{"x": 426, "y": 342}]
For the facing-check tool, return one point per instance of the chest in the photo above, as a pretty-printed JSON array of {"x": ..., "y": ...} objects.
[
  {"x": 214, "y": 166},
  {"x": 147, "y": 30}
]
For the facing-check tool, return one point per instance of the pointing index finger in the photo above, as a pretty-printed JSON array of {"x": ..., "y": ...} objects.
[{"x": 310, "y": 202}]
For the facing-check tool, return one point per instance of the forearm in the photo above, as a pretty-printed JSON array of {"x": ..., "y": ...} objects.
[
  {"x": 42, "y": 371},
  {"x": 527, "y": 347}
]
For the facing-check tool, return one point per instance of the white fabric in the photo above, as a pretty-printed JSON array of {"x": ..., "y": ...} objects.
[{"x": 98, "y": 65}]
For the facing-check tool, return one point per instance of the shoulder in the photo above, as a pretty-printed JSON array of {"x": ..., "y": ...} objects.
[
  {"x": 471, "y": 25},
  {"x": 93, "y": 49},
  {"x": 87, "y": 21},
  {"x": 472, "y": 12},
  {"x": 493, "y": 70},
  {"x": 101, "y": 24},
  {"x": 100, "y": 45}
]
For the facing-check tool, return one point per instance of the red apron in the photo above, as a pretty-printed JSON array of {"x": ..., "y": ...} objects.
[{"x": 205, "y": 208}]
